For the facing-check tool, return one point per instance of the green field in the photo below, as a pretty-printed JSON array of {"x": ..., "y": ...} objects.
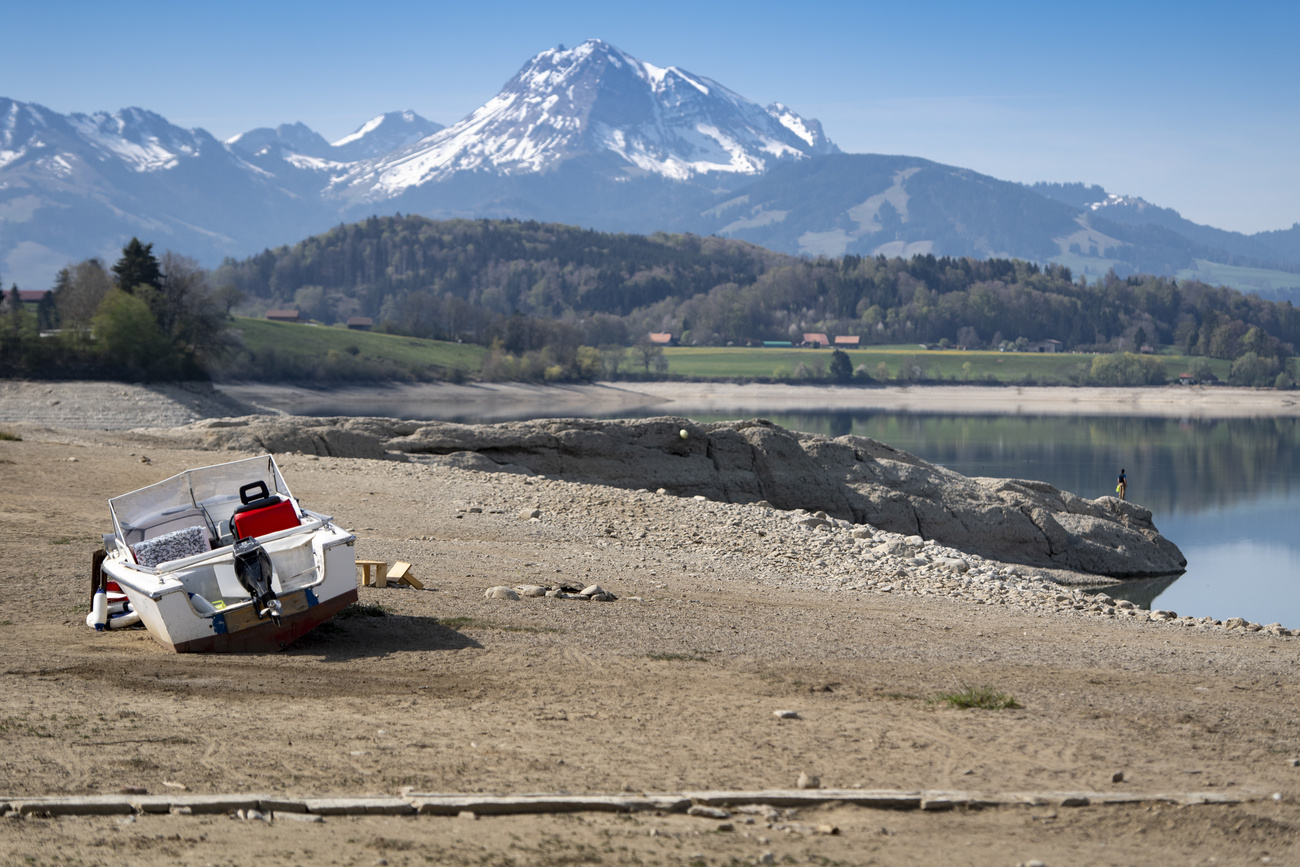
[
  {"x": 914, "y": 363},
  {"x": 303, "y": 346},
  {"x": 302, "y": 351}
]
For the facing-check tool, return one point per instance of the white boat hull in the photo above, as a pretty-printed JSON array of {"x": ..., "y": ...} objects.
[{"x": 196, "y": 603}]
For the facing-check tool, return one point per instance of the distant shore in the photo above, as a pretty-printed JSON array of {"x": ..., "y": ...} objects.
[
  {"x": 121, "y": 406},
  {"x": 506, "y": 401}
]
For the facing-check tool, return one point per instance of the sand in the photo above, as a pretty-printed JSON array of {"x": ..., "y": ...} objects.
[{"x": 671, "y": 688}]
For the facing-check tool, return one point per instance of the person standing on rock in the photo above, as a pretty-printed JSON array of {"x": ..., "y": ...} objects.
[{"x": 1122, "y": 487}]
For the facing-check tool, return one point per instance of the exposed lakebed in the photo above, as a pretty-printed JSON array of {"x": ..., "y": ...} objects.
[{"x": 1225, "y": 490}]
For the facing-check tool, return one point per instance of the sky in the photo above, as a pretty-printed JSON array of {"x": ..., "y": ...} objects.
[{"x": 1193, "y": 105}]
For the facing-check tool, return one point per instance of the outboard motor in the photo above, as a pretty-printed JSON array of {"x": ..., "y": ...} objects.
[{"x": 253, "y": 569}]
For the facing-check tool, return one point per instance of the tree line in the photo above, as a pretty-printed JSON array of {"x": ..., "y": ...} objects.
[
  {"x": 145, "y": 318},
  {"x": 557, "y": 302},
  {"x": 540, "y": 291}
]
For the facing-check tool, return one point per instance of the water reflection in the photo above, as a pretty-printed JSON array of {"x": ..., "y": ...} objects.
[
  {"x": 1174, "y": 466},
  {"x": 1142, "y": 593}
]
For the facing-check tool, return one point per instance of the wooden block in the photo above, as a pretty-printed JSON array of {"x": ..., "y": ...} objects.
[
  {"x": 381, "y": 575},
  {"x": 401, "y": 573}
]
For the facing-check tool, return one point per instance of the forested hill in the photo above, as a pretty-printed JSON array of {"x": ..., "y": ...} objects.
[{"x": 535, "y": 285}]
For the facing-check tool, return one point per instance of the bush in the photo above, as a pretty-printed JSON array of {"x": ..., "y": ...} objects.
[{"x": 1125, "y": 368}]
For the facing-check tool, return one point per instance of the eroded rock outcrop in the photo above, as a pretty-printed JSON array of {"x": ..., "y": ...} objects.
[{"x": 849, "y": 477}]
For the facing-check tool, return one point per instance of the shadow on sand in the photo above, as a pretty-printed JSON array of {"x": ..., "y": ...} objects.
[{"x": 376, "y": 634}]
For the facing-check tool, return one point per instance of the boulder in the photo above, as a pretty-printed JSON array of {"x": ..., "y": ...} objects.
[{"x": 849, "y": 478}]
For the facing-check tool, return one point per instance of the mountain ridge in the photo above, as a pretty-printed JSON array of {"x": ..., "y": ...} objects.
[{"x": 589, "y": 136}]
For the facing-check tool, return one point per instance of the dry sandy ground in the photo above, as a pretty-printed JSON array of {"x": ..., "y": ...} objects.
[{"x": 450, "y": 692}]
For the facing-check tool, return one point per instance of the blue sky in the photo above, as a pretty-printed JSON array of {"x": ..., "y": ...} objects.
[{"x": 1194, "y": 106}]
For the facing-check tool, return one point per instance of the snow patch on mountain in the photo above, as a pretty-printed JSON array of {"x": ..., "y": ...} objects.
[{"x": 1113, "y": 200}]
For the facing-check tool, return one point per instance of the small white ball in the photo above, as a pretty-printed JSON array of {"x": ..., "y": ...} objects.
[{"x": 682, "y": 433}]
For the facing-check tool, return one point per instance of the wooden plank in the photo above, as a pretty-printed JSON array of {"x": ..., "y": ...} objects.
[{"x": 401, "y": 573}]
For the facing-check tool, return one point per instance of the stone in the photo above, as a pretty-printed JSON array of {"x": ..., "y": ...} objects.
[
  {"x": 531, "y": 590},
  {"x": 591, "y": 590},
  {"x": 1117, "y": 777},
  {"x": 806, "y": 781},
  {"x": 708, "y": 812},
  {"x": 528, "y": 514},
  {"x": 785, "y": 714},
  {"x": 1234, "y": 623},
  {"x": 501, "y": 593}
]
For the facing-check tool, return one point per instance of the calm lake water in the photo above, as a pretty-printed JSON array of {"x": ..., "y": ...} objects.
[{"x": 1227, "y": 492}]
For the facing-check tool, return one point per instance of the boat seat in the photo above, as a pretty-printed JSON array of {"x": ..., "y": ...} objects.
[
  {"x": 175, "y": 545},
  {"x": 262, "y": 512}
]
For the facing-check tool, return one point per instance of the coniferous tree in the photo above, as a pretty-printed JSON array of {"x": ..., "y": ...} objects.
[{"x": 137, "y": 267}]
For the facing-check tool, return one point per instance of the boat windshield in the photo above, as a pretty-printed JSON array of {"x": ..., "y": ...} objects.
[{"x": 191, "y": 498}]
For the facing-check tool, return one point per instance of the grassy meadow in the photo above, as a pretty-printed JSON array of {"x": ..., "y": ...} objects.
[
  {"x": 306, "y": 347},
  {"x": 908, "y": 363},
  {"x": 298, "y": 351}
]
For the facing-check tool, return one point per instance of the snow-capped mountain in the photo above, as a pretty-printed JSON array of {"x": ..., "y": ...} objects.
[
  {"x": 589, "y": 136},
  {"x": 304, "y": 147},
  {"x": 132, "y": 139},
  {"x": 597, "y": 101},
  {"x": 287, "y": 138},
  {"x": 384, "y": 134}
]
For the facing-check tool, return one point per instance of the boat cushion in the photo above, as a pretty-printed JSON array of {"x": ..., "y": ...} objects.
[
  {"x": 185, "y": 542},
  {"x": 268, "y": 519}
]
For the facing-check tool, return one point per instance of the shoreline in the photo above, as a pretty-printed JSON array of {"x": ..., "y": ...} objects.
[
  {"x": 512, "y": 401},
  {"x": 122, "y": 406}
]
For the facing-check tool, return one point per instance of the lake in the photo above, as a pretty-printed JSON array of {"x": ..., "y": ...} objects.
[{"x": 1226, "y": 491}]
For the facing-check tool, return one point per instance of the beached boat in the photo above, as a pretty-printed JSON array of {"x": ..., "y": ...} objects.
[{"x": 224, "y": 559}]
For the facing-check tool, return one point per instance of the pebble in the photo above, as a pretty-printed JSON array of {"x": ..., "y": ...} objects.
[
  {"x": 786, "y": 714},
  {"x": 806, "y": 781},
  {"x": 805, "y": 550}
]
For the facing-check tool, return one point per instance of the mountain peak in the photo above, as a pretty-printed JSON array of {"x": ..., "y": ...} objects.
[
  {"x": 596, "y": 101},
  {"x": 384, "y": 133}
]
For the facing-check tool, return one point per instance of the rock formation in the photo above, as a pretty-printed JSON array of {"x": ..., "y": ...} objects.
[{"x": 852, "y": 478}]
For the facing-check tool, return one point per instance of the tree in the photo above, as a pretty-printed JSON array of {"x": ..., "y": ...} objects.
[
  {"x": 186, "y": 310},
  {"x": 650, "y": 353},
  {"x": 78, "y": 292},
  {"x": 137, "y": 267},
  {"x": 128, "y": 336},
  {"x": 841, "y": 367}
]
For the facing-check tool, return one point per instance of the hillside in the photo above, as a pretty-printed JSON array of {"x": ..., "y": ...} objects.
[{"x": 548, "y": 290}]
